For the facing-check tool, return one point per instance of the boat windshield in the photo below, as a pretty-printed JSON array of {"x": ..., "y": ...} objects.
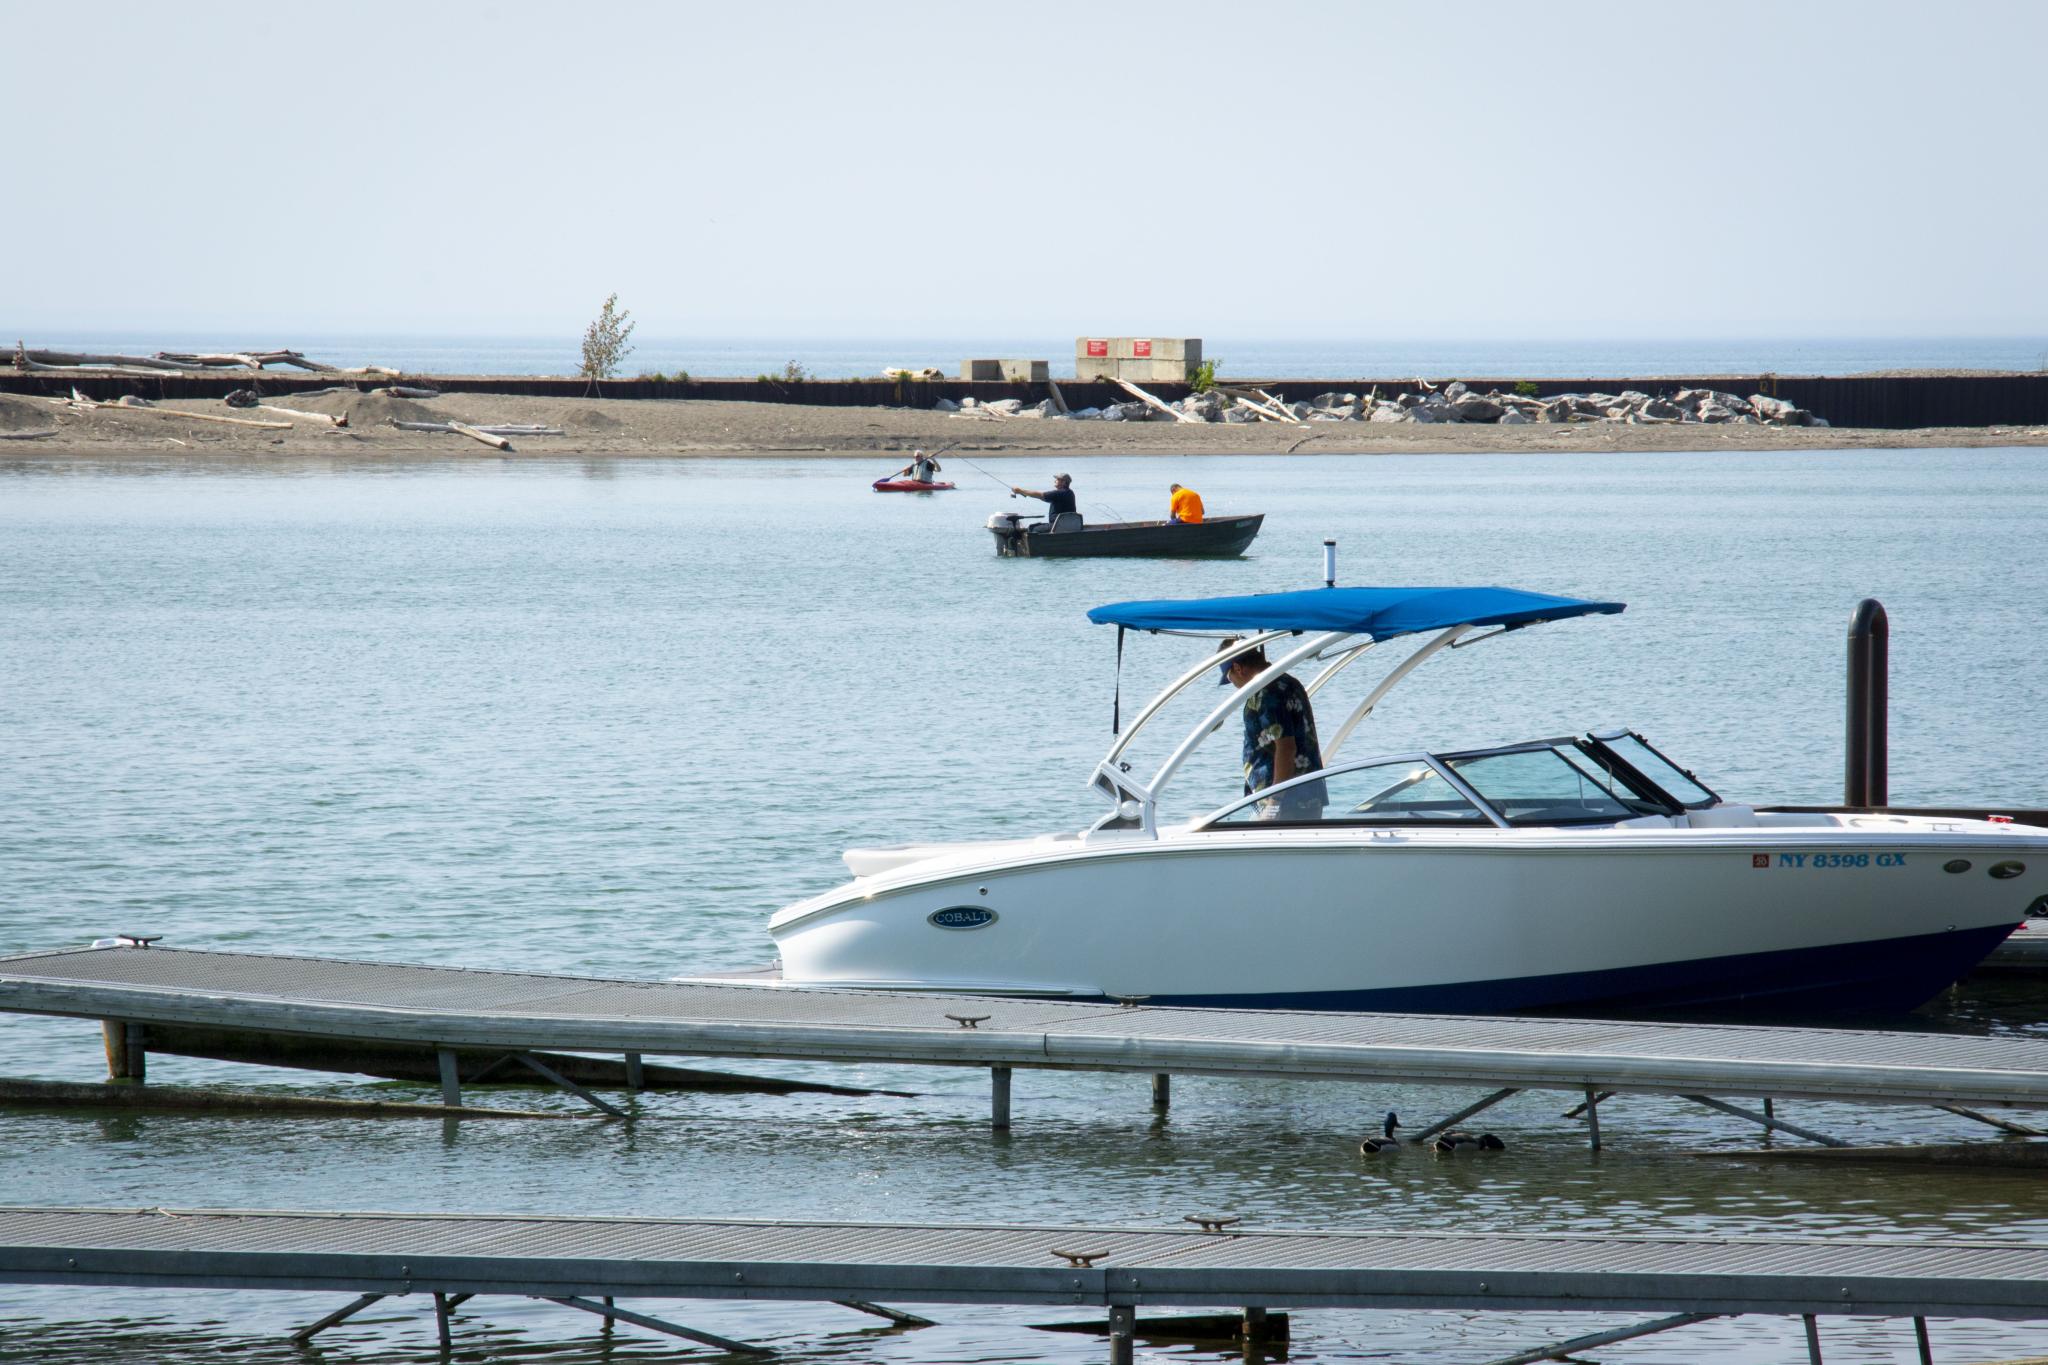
[
  {"x": 1404, "y": 791},
  {"x": 1552, "y": 785},
  {"x": 1639, "y": 754}
]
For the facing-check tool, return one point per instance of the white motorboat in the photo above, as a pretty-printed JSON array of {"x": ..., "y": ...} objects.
[{"x": 1579, "y": 873}]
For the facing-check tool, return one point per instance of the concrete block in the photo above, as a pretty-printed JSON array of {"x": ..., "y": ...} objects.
[
  {"x": 1098, "y": 368},
  {"x": 1154, "y": 371},
  {"x": 1026, "y": 371},
  {"x": 981, "y": 369},
  {"x": 1093, "y": 348}
]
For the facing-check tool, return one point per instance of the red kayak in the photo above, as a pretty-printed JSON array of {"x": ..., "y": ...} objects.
[{"x": 909, "y": 486}]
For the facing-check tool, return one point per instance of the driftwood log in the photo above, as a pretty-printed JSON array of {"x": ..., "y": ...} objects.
[
  {"x": 26, "y": 358},
  {"x": 81, "y": 403},
  {"x": 497, "y": 442},
  {"x": 326, "y": 419},
  {"x": 489, "y": 428},
  {"x": 253, "y": 360},
  {"x": 1149, "y": 401}
]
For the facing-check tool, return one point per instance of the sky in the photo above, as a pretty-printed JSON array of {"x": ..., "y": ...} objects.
[{"x": 1284, "y": 170}]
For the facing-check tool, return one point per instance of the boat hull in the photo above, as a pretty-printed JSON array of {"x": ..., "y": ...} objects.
[
  {"x": 909, "y": 486},
  {"x": 1415, "y": 924},
  {"x": 1220, "y": 537}
]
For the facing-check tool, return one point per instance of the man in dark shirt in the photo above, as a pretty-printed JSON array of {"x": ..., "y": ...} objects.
[
  {"x": 1057, "y": 499},
  {"x": 1279, "y": 740}
]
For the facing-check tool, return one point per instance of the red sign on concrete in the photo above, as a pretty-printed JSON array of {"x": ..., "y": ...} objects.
[
  {"x": 1098, "y": 348},
  {"x": 1142, "y": 350}
]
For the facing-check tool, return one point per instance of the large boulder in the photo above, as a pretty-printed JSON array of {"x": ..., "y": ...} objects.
[
  {"x": 1391, "y": 412},
  {"x": 1455, "y": 390},
  {"x": 1662, "y": 410},
  {"x": 946, "y": 405},
  {"x": 1513, "y": 418},
  {"x": 1557, "y": 410},
  {"x": 1474, "y": 409},
  {"x": 1772, "y": 409}
]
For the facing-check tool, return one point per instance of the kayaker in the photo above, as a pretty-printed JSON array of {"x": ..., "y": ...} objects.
[
  {"x": 1279, "y": 740},
  {"x": 1057, "y": 499},
  {"x": 922, "y": 467},
  {"x": 1183, "y": 505}
]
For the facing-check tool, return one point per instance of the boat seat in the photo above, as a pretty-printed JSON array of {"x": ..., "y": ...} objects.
[
  {"x": 1065, "y": 521},
  {"x": 1722, "y": 817}
]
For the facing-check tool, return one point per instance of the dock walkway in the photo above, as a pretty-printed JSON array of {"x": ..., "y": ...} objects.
[
  {"x": 450, "y": 1007},
  {"x": 584, "y": 1262}
]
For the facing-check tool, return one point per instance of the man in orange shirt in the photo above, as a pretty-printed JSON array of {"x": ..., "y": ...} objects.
[{"x": 1184, "y": 504}]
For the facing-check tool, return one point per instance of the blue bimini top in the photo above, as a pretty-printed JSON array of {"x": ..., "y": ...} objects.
[{"x": 1381, "y": 613}]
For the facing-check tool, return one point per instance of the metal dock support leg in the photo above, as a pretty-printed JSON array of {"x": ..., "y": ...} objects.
[
  {"x": 451, "y": 1078},
  {"x": 441, "y": 1323},
  {"x": 1557, "y": 1350},
  {"x": 306, "y": 1334},
  {"x": 1467, "y": 1112},
  {"x": 1260, "y": 1325},
  {"x": 999, "y": 1098},
  {"x": 657, "y": 1325},
  {"x": 1920, "y": 1340},
  {"x": 127, "y": 1057},
  {"x": 1162, "y": 1090},
  {"x": 636, "y": 1075},
  {"x": 1593, "y": 1117},
  {"x": 2006, "y": 1124},
  {"x": 548, "y": 1073},
  {"x": 1123, "y": 1331},
  {"x": 1766, "y": 1120},
  {"x": 895, "y": 1315},
  {"x": 1812, "y": 1338}
]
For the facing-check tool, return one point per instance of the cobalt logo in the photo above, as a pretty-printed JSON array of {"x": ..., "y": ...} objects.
[{"x": 962, "y": 917}]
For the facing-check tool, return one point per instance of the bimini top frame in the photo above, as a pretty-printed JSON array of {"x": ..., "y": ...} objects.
[{"x": 1332, "y": 619}]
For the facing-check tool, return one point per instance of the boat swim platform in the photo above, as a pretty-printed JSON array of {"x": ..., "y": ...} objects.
[
  {"x": 589, "y": 1262},
  {"x": 452, "y": 1007}
]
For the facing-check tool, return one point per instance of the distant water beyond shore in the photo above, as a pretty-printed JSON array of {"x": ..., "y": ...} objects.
[{"x": 845, "y": 358}]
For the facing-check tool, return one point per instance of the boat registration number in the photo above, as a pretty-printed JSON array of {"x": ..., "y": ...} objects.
[{"x": 1827, "y": 862}]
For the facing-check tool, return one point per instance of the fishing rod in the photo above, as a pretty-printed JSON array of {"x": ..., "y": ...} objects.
[{"x": 985, "y": 474}]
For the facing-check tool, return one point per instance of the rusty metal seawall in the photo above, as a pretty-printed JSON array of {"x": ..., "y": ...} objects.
[{"x": 1879, "y": 402}]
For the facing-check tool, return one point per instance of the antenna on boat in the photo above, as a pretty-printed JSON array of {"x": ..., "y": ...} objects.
[{"x": 1329, "y": 563}]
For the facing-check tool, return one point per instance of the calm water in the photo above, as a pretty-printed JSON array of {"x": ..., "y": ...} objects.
[
  {"x": 842, "y": 357},
  {"x": 604, "y": 717}
]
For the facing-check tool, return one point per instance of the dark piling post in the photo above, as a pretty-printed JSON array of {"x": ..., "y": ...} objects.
[
  {"x": 1864, "y": 766},
  {"x": 127, "y": 1051}
]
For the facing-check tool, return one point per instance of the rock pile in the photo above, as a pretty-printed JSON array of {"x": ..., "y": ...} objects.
[{"x": 1452, "y": 403}]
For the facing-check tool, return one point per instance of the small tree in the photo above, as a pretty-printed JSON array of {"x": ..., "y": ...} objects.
[{"x": 605, "y": 345}]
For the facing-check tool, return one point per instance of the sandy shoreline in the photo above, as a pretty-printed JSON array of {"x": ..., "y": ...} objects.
[{"x": 696, "y": 427}]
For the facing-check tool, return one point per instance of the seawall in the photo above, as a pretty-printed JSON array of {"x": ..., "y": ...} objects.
[{"x": 1878, "y": 401}]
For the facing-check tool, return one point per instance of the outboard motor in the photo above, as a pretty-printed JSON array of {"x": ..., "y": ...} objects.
[{"x": 1005, "y": 521}]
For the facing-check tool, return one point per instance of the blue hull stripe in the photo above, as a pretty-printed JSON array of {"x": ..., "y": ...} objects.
[{"x": 1889, "y": 976}]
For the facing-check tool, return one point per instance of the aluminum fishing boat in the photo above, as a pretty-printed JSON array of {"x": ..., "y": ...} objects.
[
  {"x": 1579, "y": 873},
  {"x": 1068, "y": 537}
]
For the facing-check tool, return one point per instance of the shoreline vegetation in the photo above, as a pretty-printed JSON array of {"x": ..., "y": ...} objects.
[{"x": 39, "y": 428}]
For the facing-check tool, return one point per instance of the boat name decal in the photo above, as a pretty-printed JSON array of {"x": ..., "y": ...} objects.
[
  {"x": 1828, "y": 862},
  {"x": 962, "y": 917}
]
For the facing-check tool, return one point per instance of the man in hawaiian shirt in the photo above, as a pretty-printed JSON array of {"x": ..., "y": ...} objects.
[{"x": 1279, "y": 740}]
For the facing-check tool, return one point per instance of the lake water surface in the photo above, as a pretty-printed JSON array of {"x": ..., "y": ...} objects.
[{"x": 605, "y": 717}]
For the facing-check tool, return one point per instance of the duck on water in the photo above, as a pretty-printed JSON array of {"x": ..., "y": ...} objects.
[{"x": 1586, "y": 872}]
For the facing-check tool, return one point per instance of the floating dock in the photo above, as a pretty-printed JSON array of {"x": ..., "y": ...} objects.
[
  {"x": 132, "y": 987},
  {"x": 586, "y": 1263}
]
